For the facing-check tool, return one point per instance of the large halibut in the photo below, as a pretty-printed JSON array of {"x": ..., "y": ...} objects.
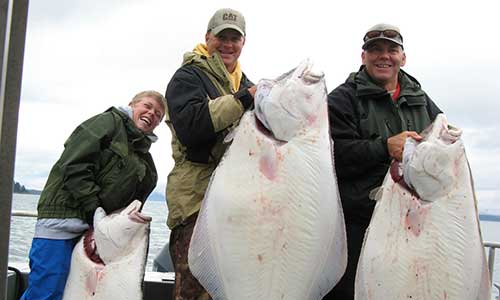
[
  {"x": 110, "y": 263},
  {"x": 424, "y": 240},
  {"x": 271, "y": 225}
]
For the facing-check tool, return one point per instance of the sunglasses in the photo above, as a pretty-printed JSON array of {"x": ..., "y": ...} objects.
[{"x": 391, "y": 34}]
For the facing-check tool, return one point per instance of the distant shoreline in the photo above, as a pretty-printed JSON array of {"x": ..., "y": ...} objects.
[
  {"x": 486, "y": 217},
  {"x": 21, "y": 189}
]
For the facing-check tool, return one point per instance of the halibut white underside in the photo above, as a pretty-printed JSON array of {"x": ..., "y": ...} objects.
[
  {"x": 428, "y": 246},
  {"x": 271, "y": 224}
]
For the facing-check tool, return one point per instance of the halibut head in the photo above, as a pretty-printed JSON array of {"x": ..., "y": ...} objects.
[{"x": 109, "y": 262}]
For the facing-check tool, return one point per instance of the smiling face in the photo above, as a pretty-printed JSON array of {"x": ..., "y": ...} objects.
[
  {"x": 383, "y": 59},
  {"x": 147, "y": 113},
  {"x": 228, "y": 43}
]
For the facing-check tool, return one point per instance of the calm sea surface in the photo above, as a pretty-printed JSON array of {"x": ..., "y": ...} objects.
[{"x": 22, "y": 230}]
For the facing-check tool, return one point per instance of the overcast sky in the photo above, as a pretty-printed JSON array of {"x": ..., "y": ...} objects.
[{"x": 83, "y": 56}]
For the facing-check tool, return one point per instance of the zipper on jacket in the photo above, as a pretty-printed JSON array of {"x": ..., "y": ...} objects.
[{"x": 388, "y": 126}]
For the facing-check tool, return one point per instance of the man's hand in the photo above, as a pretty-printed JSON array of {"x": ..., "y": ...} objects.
[
  {"x": 252, "y": 90},
  {"x": 396, "y": 143}
]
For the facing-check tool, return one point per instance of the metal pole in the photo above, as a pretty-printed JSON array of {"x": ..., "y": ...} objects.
[
  {"x": 491, "y": 261},
  {"x": 13, "y": 19}
]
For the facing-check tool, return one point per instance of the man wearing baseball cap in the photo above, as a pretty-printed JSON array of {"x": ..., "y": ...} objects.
[
  {"x": 206, "y": 97},
  {"x": 371, "y": 114}
]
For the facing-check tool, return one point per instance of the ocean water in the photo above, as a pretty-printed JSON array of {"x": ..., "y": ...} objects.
[{"x": 22, "y": 229}]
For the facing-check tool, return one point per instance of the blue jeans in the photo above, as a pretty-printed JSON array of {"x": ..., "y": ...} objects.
[{"x": 49, "y": 263}]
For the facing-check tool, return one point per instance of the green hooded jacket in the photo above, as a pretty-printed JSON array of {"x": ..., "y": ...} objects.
[
  {"x": 105, "y": 162},
  {"x": 201, "y": 108}
]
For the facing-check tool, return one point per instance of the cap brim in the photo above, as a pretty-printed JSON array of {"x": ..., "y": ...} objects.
[
  {"x": 370, "y": 41},
  {"x": 219, "y": 28}
]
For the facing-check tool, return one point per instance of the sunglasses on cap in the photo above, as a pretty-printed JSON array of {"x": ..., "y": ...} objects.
[{"x": 389, "y": 33}]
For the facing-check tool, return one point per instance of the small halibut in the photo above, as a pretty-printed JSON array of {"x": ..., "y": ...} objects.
[
  {"x": 116, "y": 269},
  {"x": 424, "y": 240},
  {"x": 271, "y": 225}
]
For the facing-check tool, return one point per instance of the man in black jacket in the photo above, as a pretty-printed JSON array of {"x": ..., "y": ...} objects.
[
  {"x": 206, "y": 97},
  {"x": 371, "y": 115}
]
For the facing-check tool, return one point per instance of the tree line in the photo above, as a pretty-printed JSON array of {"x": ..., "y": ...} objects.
[{"x": 21, "y": 189}]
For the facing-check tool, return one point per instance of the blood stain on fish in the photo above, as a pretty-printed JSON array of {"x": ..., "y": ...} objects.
[{"x": 268, "y": 167}]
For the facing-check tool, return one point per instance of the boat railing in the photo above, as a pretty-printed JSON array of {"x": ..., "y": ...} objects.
[
  {"x": 24, "y": 213},
  {"x": 492, "y": 247}
]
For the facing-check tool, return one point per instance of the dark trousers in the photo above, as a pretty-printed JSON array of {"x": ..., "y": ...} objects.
[
  {"x": 344, "y": 290},
  {"x": 186, "y": 286}
]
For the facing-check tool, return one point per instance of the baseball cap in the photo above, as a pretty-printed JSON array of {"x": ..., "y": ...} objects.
[
  {"x": 383, "y": 31},
  {"x": 226, "y": 18}
]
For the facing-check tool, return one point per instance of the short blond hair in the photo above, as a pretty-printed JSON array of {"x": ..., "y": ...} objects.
[{"x": 153, "y": 94}]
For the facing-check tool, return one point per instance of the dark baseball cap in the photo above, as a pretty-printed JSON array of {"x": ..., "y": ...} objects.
[{"x": 382, "y": 31}]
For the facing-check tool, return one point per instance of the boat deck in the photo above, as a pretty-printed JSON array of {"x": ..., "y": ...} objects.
[{"x": 157, "y": 285}]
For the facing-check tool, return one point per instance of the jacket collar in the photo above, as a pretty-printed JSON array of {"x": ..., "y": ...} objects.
[
  {"x": 140, "y": 141},
  {"x": 213, "y": 65},
  {"x": 365, "y": 86}
]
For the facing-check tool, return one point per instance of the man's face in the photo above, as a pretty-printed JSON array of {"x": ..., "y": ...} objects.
[
  {"x": 147, "y": 114},
  {"x": 228, "y": 43},
  {"x": 383, "y": 59}
]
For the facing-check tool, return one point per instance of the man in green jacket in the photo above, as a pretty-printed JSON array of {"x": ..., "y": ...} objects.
[
  {"x": 371, "y": 116},
  {"x": 206, "y": 97},
  {"x": 105, "y": 163}
]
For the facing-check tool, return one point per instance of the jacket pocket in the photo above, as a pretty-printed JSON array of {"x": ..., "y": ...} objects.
[{"x": 120, "y": 180}]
